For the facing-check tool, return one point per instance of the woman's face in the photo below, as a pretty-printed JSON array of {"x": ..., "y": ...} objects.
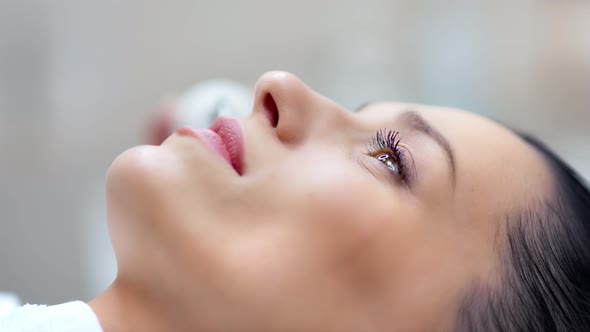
[{"x": 333, "y": 224}]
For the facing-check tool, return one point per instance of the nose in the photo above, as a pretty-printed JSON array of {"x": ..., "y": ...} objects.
[{"x": 293, "y": 109}]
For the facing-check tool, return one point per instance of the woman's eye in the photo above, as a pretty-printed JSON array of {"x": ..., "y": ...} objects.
[
  {"x": 385, "y": 148},
  {"x": 389, "y": 161}
]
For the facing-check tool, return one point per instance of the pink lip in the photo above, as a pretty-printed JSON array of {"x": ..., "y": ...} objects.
[{"x": 224, "y": 137}]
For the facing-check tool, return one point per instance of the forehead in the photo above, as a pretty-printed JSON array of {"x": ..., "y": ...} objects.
[{"x": 497, "y": 172}]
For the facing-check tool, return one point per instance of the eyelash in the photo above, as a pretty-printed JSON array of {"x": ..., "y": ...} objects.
[{"x": 385, "y": 143}]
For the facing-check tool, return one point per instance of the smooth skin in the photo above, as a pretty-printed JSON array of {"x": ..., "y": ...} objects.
[{"x": 317, "y": 234}]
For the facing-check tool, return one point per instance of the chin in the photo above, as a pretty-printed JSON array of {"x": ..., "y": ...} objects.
[{"x": 140, "y": 175}]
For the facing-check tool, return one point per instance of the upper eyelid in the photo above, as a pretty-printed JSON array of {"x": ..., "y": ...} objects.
[
  {"x": 418, "y": 123},
  {"x": 407, "y": 151}
]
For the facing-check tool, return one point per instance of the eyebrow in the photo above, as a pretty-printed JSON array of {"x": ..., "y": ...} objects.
[
  {"x": 362, "y": 106},
  {"x": 418, "y": 123}
]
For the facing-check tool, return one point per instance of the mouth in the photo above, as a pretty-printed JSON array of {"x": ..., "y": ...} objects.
[{"x": 224, "y": 137}]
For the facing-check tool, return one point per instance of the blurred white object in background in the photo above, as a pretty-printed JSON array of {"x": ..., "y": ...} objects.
[
  {"x": 208, "y": 100},
  {"x": 199, "y": 106}
]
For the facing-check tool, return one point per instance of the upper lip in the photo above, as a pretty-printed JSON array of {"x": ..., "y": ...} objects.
[{"x": 230, "y": 132}]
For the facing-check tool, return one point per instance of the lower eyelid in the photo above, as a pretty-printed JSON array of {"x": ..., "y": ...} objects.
[
  {"x": 375, "y": 168},
  {"x": 372, "y": 166}
]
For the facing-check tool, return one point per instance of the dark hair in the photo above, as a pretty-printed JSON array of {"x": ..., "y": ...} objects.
[{"x": 544, "y": 276}]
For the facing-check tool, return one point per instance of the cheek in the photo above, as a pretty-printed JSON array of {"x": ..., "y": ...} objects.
[
  {"x": 329, "y": 241},
  {"x": 346, "y": 210},
  {"x": 349, "y": 228}
]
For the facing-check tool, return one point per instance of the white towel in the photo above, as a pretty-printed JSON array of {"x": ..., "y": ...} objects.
[
  {"x": 8, "y": 302},
  {"x": 74, "y": 316}
]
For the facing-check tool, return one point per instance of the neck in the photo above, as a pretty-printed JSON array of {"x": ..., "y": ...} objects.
[{"x": 122, "y": 309}]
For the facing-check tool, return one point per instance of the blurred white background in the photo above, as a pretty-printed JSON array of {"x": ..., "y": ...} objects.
[{"x": 79, "y": 80}]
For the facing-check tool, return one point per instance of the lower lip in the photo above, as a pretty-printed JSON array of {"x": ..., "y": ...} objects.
[
  {"x": 224, "y": 137},
  {"x": 209, "y": 137}
]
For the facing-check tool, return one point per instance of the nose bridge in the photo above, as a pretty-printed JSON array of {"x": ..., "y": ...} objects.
[{"x": 300, "y": 111}]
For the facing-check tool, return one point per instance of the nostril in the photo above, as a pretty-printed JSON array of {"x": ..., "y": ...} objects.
[{"x": 271, "y": 109}]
